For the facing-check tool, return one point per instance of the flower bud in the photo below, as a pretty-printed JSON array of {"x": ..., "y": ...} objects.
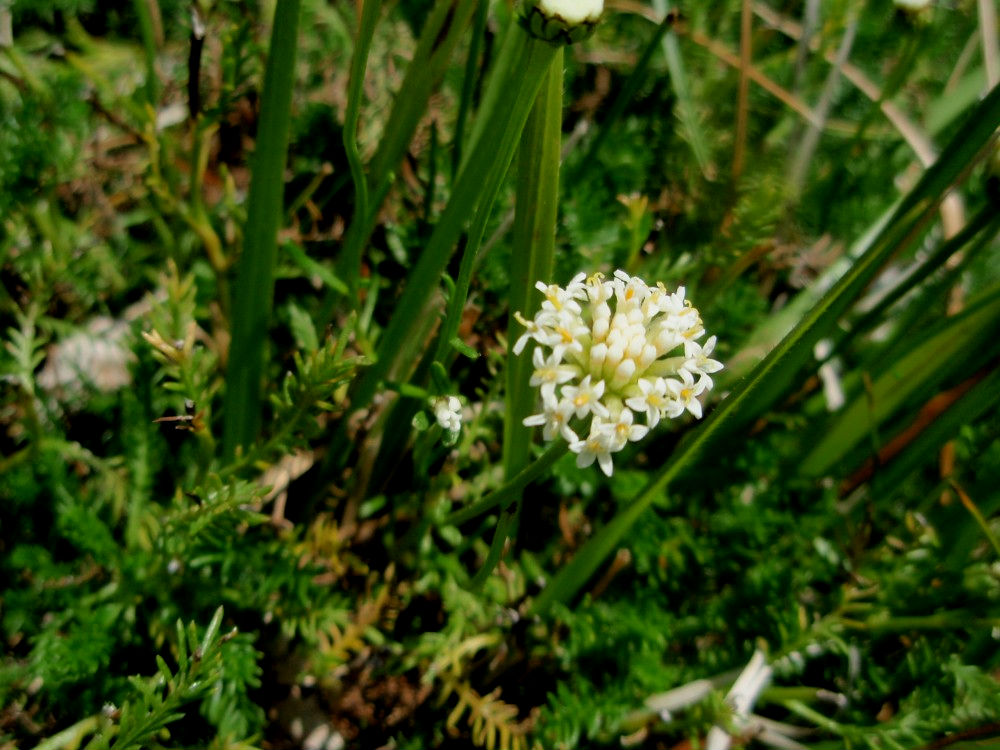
[{"x": 561, "y": 21}]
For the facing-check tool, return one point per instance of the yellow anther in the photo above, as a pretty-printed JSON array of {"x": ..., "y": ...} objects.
[
  {"x": 567, "y": 337},
  {"x": 553, "y": 296},
  {"x": 581, "y": 399}
]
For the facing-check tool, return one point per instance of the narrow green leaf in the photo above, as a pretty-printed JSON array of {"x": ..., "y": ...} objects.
[
  {"x": 464, "y": 349},
  {"x": 143, "y": 13},
  {"x": 439, "y": 36},
  {"x": 359, "y": 63},
  {"x": 208, "y": 640},
  {"x": 687, "y": 112},
  {"x": 182, "y": 651},
  {"x": 980, "y": 400},
  {"x": 313, "y": 268},
  {"x": 303, "y": 330},
  {"x": 440, "y": 33},
  {"x": 628, "y": 90},
  {"x": 504, "y": 529},
  {"x": 508, "y": 493},
  {"x": 974, "y": 236},
  {"x": 535, "y": 216},
  {"x": 421, "y": 422},
  {"x": 468, "y": 82},
  {"x": 440, "y": 378},
  {"x": 165, "y": 673},
  {"x": 255, "y": 281}
]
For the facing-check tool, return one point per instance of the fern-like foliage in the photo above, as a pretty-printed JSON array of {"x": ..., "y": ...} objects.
[
  {"x": 156, "y": 701},
  {"x": 338, "y": 643},
  {"x": 493, "y": 723},
  {"x": 315, "y": 385},
  {"x": 24, "y": 353},
  {"x": 199, "y": 667}
]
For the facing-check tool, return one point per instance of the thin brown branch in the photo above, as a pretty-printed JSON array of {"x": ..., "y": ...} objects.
[
  {"x": 928, "y": 414},
  {"x": 952, "y": 208},
  {"x": 810, "y": 141},
  {"x": 910, "y": 132},
  {"x": 962, "y": 62},
  {"x": 743, "y": 95},
  {"x": 730, "y": 58},
  {"x": 726, "y": 55},
  {"x": 988, "y": 37}
]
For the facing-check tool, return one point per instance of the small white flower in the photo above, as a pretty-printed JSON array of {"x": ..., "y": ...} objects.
[
  {"x": 685, "y": 395},
  {"x": 623, "y": 431},
  {"x": 566, "y": 333},
  {"x": 698, "y": 362},
  {"x": 530, "y": 329},
  {"x": 596, "y": 446},
  {"x": 554, "y": 420},
  {"x": 652, "y": 401},
  {"x": 550, "y": 372},
  {"x": 447, "y": 412},
  {"x": 558, "y": 299},
  {"x": 586, "y": 398}
]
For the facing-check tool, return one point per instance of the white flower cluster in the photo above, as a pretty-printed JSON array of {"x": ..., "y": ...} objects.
[
  {"x": 447, "y": 412},
  {"x": 608, "y": 350}
]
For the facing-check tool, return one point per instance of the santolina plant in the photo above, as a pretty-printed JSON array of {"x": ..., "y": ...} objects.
[{"x": 612, "y": 350}]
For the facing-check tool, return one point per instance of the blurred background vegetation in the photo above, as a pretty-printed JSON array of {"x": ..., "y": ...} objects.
[{"x": 158, "y": 590}]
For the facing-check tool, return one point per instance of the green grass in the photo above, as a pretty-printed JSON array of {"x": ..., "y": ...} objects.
[{"x": 232, "y": 511}]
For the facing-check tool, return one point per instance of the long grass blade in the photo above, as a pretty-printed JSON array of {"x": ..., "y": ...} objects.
[
  {"x": 488, "y": 160},
  {"x": 536, "y": 212},
  {"x": 978, "y": 400},
  {"x": 255, "y": 280},
  {"x": 959, "y": 347}
]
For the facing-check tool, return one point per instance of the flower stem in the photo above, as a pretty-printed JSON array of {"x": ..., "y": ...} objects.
[
  {"x": 511, "y": 490},
  {"x": 359, "y": 63}
]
